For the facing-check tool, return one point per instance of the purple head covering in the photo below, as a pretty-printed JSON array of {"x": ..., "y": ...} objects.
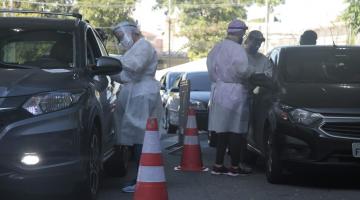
[{"x": 236, "y": 26}]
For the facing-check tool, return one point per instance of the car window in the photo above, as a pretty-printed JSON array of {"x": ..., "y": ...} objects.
[
  {"x": 199, "y": 81},
  {"x": 163, "y": 81},
  {"x": 172, "y": 78},
  {"x": 101, "y": 45},
  {"x": 323, "y": 66},
  {"x": 93, "y": 51},
  {"x": 176, "y": 83},
  {"x": 36, "y": 48}
]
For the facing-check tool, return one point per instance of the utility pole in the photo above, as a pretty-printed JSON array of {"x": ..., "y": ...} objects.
[
  {"x": 169, "y": 30},
  {"x": 267, "y": 4}
]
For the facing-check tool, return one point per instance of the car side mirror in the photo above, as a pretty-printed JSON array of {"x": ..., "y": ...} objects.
[
  {"x": 174, "y": 89},
  {"x": 106, "y": 65}
]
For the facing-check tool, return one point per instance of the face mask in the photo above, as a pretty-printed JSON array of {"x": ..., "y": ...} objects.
[
  {"x": 127, "y": 42},
  {"x": 254, "y": 49},
  {"x": 254, "y": 46}
]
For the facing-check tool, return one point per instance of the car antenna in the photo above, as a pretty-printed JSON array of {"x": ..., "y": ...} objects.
[{"x": 332, "y": 36}]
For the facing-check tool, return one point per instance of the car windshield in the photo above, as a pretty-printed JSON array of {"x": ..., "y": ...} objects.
[
  {"x": 44, "y": 49},
  {"x": 199, "y": 81},
  {"x": 323, "y": 65}
]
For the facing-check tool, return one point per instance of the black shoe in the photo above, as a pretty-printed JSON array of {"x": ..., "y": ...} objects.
[
  {"x": 237, "y": 171},
  {"x": 219, "y": 170}
]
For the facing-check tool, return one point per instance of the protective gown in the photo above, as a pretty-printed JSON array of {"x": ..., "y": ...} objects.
[
  {"x": 139, "y": 96},
  {"x": 229, "y": 72}
]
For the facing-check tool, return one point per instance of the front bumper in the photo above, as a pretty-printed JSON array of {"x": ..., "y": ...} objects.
[
  {"x": 55, "y": 137},
  {"x": 311, "y": 145}
]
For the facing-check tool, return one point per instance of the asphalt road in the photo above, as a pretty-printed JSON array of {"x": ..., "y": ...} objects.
[{"x": 308, "y": 183}]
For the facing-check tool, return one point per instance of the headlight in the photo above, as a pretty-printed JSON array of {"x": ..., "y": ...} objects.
[
  {"x": 304, "y": 117},
  {"x": 197, "y": 105},
  {"x": 50, "y": 102}
]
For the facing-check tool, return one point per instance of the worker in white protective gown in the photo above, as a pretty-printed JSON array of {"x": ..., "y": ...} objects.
[
  {"x": 229, "y": 104},
  {"x": 139, "y": 97}
]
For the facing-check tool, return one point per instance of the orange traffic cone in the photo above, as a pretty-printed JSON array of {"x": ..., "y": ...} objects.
[
  {"x": 151, "y": 177},
  {"x": 191, "y": 158}
]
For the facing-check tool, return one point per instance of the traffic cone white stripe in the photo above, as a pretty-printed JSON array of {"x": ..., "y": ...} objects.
[
  {"x": 152, "y": 143},
  {"x": 151, "y": 174},
  {"x": 191, "y": 140},
  {"x": 191, "y": 122}
]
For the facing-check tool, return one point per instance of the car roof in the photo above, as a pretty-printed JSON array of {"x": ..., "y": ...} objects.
[
  {"x": 319, "y": 47},
  {"x": 38, "y": 23},
  {"x": 196, "y": 72}
]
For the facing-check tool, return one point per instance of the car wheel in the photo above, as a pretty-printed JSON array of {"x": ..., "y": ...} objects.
[
  {"x": 90, "y": 187},
  {"x": 274, "y": 169},
  {"x": 117, "y": 164},
  {"x": 170, "y": 129}
]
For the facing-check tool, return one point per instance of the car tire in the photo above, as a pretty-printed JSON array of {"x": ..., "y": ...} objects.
[
  {"x": 170, "y": 129},
  {"x": 89, "y": 188},
  {"x": 117, "y": 164},
  {"x": 274, "y": 168}
]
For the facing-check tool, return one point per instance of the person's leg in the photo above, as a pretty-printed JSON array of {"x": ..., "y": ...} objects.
[
  {"x": 130, "y": 186},
  {"x": 222, "y": 143},
  {"x": 235, "y": 149},
  {"x": 236, "y": 143},
  {"x": 244, "y": 154}
]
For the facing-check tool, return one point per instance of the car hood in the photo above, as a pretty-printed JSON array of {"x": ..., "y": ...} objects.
[
  {"x": 18, "y": 82},
  {"x": 203, "y": 96},
  {"x": 321, "y": 95}
]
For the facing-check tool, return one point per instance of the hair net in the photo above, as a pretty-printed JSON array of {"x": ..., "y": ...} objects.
[{"x": 236, "y": 26}]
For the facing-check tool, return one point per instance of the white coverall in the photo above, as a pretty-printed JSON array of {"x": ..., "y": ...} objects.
[
  {"x": 229, "y": 72},
  {"x": 139, "y": 96}
]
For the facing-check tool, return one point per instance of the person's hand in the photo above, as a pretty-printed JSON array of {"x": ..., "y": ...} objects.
[{"x": 256, "y": 90}]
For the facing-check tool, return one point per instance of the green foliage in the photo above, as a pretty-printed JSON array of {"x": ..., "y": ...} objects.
[
  {"x": 107, "y": 15},
  {"x": 204, "y": 22},
  {"x": 352, "y": 15}
]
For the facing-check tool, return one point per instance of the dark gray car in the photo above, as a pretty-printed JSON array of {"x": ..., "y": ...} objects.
[{"x": 56, "y": 105}]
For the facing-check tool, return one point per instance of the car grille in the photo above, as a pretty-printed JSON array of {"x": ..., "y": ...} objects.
[{"x": 342, "y": 129}]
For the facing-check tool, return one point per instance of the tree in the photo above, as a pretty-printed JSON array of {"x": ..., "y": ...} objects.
[
  {"x": 106, "y": 14},
  {"x": 204, "y": 22},
  {"x": 352, "y": 18}
]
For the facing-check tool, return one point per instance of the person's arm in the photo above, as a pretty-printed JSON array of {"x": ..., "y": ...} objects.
[
  {"x": 138, "y": 57},
  {"x": 210, "y": 65},
  {"x": 268, "y": 68}
]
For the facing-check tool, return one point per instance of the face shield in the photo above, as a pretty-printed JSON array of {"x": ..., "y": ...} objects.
[{"x": 123, "y": 32}]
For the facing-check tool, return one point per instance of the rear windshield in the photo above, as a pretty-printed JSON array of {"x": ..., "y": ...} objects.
[
  {"x": 199, "y": 81},
  {"x": 40, "y": 48},
  {"x": 331, "y": 65}
]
